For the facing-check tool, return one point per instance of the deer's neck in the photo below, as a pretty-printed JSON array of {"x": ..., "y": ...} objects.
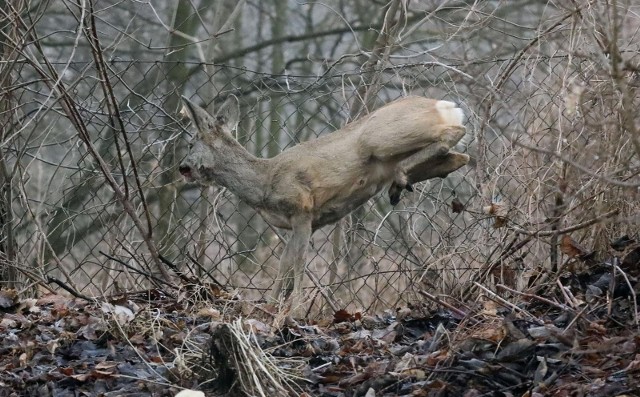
[{"x": 244, "y": 174}]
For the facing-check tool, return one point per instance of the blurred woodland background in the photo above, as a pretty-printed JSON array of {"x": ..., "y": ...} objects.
[{"x": 92, "y": 202}]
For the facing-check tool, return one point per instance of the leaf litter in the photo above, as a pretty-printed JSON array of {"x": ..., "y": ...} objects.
[{"x": 576, "y": 336}]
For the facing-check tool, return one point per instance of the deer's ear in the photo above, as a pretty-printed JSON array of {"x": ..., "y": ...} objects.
[
  {"x": 229, "y": 112},
  {"x": 200, "y": 118}
]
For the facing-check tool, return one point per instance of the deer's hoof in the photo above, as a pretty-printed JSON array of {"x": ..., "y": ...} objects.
[
  {"x": 394, "y": 194},
  {"x": 394, "y": 199},
  {"x": 401, "y": 179}
]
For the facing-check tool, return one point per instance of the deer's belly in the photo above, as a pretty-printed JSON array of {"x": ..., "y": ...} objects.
[
  {"x": 342, "y": 204},
  {"x": 334, "y": 192},
  {"x": 274, "y": 219}
]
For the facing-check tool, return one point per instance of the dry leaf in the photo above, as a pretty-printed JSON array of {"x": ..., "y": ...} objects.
[
  {"x": 190, "y": 393},
  {"x": 106, "y": 365},
  {"x": 570, "y": 247},
  {"x": 342, "y": 316},
  {"x": 416, "y": 373},
  {"x": 499, "y": 212},
  {"x": 8, "y": 298},
  {"x": 81, "y": 377}
]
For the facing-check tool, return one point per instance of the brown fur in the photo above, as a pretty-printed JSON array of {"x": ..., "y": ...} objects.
[{"x": 320, "y": 181}]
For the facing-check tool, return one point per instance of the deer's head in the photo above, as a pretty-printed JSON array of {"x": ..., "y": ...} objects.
[{"x": 210, "y": 135}]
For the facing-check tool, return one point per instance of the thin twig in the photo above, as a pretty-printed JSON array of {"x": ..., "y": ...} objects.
[
  {"x": 536, "y": 297},
  {"x": 582, "y": 225},
  {"x": 632, "y": 292},
  {"x": 114, "y": 113},
  {"x": 322, "y": 290},
  {"x": 503, "y": 301},
  {"x": 454, "y": 309},
  {"x": 156, "y": 280},
  {"x": 568, "y": 296},
  {"x": 53, "y": 280}
]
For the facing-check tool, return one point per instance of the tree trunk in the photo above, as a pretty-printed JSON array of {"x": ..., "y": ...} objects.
[
  {"x": 8, "y": 272},
  {"x": 278, "y": 24}
]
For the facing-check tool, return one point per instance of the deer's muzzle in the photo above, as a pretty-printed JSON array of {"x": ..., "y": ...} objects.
[{"x": 186, "y": 172}]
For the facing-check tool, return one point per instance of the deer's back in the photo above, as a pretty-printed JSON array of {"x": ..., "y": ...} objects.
[
  {"x": 342, "y": 170},
  {"x": 337, "y": 176},
  {"x": 407, "y": 124}
]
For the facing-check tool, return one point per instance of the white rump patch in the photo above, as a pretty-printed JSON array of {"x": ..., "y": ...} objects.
[{"x": 450, "y": 112}]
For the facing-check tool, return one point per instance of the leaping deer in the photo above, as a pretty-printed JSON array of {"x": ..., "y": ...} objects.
[{"x": 318, "y": 182}]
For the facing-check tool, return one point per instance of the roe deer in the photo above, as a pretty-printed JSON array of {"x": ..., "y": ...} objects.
[{"x": 320, "y": 181}]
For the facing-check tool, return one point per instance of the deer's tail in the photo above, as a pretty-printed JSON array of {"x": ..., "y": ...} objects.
[{"x": 450, "y": 112}]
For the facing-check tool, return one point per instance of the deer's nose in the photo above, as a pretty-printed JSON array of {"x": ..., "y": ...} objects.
[{"x": 185, "y": 171}]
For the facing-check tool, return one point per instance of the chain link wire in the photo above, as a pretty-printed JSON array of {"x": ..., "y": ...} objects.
[{"x": 496, "y": 220}]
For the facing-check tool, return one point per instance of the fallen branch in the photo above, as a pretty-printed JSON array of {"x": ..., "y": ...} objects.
[
  {"x": 448, "y": 306},
  {"x": 76, "y": 294},
  {"x": 536, "y": 297},
  {"x": 505, "y": 302}
]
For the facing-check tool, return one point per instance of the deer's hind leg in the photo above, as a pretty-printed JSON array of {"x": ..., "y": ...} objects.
[
  {"x": 428, "y": 154},
  {"x": 438, "y": 167}
]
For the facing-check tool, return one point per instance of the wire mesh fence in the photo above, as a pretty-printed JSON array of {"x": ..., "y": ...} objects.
[{"x": 97, "y": 206}]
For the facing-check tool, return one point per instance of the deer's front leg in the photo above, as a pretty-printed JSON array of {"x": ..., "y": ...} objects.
[{"x": 292, "y": 262}]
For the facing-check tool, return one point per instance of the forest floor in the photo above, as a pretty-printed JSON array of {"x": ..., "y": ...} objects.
[{"x": 578, "y": 335}]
